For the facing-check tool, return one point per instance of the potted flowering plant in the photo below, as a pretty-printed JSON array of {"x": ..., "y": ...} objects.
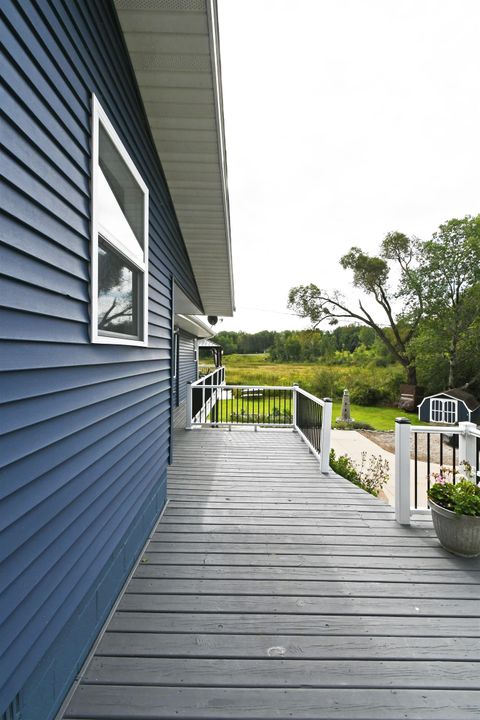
[{"x": 456, "y": 511}]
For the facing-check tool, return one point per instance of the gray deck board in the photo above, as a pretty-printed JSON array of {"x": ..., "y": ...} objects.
[
  {"x": 432, "y": 561},
  {"x": 306, "y": 647},
  {"x": 295, "y": 624},
  {"x": 303, "y": 588},
  {"x": 281, "y": 673},
  {"x": 191, "y": 703},
  {"x": 270, "y": 590}
]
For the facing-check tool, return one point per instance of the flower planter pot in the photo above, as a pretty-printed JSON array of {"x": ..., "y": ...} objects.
[{"x": 459, "y": 534}]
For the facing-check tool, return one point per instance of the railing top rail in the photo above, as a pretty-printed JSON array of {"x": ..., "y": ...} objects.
[
  {"x": 453, "y": 430},
  {"x": 201, "y": 380},
  {"x": 308, "y": 395},
  {"x": 247, "y": 387}
]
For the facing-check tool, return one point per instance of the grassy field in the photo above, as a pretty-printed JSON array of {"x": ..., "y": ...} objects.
[
  {"x": 257, "y": 370},
  {"x": 314, "y": 377}
]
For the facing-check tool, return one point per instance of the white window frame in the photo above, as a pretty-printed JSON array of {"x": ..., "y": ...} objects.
[
  {"x": 438, "y": 413},
  {"x": 99, "y": 116}
]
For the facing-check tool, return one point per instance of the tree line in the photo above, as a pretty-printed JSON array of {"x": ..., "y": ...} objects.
[{"x": 305, "y": 345}]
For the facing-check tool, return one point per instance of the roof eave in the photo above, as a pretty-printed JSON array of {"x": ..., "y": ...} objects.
[{"x": 175, "y": 55}]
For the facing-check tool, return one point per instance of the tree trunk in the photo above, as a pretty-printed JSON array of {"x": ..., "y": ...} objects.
[
  {"x": 411, "y": 375},
  {"x": 452, "y": 362}
]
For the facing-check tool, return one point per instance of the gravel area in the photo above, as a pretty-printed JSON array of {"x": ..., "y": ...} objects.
[{"x": 386, "y": 440}]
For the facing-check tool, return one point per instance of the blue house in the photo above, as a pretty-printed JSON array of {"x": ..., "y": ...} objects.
[{"x": 114, "y": 236}]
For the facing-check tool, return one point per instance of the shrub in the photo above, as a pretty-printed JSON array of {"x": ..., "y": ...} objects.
[
  {"x": 364, "y": 394},
  {"x": 278, "y": 417},
  {"x": 354, "y": 425},
  {"x": 370, "y": 477},
  {"x": 344, "y": 466}
]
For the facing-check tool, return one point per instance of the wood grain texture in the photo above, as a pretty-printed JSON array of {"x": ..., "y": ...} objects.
[{"x": 269, "y": 590}]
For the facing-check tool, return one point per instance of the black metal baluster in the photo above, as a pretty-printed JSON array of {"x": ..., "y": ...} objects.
[
  {"x": 415, "y": 464},
  {"x": 428, "y": 461}
]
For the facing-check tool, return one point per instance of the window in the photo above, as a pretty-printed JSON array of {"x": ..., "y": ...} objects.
[
  {"x": 119, "y": 240},
  {"x": 444, "y": 411}
]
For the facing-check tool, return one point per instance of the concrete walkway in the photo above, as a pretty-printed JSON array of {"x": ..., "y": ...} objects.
[{"x": 353, "y": 443}]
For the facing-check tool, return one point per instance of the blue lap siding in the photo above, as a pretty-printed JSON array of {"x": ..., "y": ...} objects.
[{"x": 85, "y": 429}]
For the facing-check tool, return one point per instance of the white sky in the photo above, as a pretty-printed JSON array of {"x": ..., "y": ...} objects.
[{"x": 345, "y": 119}]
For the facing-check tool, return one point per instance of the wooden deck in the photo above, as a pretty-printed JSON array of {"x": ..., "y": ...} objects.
[{"x": 271, "y": 591}]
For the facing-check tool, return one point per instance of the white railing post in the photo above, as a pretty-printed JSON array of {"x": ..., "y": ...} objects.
[
  {"x": 189, "y": 406},
  {"x": 325, "y": 436},
  {"x": 402, "y": 470},
  {"x": 294, "y": 404},
  {"x": 467, "y": 444}
]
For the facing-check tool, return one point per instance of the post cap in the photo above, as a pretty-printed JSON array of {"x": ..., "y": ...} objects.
[
  {"x": 327, "y": 399},
  {"x": 403, "y": 421}
]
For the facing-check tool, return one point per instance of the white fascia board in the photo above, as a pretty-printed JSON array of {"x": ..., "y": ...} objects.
[
  {"x": 194, "y": 326},
  {"x": 212, "y": 12}
]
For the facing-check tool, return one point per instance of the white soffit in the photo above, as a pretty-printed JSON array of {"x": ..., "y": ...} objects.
[
  {"x": 173, "y": 45},
  {"x": 182, "y": 304}
]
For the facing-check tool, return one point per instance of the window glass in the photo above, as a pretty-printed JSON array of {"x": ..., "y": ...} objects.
[
  {"x": 123, "y": 185},
  {"x": 436, "y": 411},
  {"x": 449, "y": 411},
  {"x": 117, "y": 293}
]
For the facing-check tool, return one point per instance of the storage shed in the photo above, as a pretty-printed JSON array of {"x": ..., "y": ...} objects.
[{"x": 450, "y": 406}]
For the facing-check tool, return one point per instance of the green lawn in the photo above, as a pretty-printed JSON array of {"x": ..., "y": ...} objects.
[
  {"x": 380, "y": 418},
  {"x": 271, "y": 409},
  {"x": 242, "y": 410}
]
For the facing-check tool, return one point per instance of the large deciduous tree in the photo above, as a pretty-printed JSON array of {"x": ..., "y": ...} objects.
[
  {"x": 438, "y": 291},
  {"x": 372, "y": 275},
  {"x": 451, "y": 277}
]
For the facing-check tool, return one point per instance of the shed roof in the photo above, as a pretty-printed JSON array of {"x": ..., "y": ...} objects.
[{"x": 458, "y": 394}]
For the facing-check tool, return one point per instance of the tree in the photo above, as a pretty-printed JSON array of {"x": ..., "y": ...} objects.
[
  {"x": 438, "y": 296},
  {"x": 371, "y": 274},
  {"x": 451, "y": 275}
]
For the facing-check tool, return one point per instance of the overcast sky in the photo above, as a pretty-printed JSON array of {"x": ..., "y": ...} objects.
[{"x": 344, "y": 119}]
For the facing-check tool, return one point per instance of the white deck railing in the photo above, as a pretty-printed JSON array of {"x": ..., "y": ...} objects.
[
  {"x": 213, "y": 403},
  {"x": 412, "y": 476}
]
